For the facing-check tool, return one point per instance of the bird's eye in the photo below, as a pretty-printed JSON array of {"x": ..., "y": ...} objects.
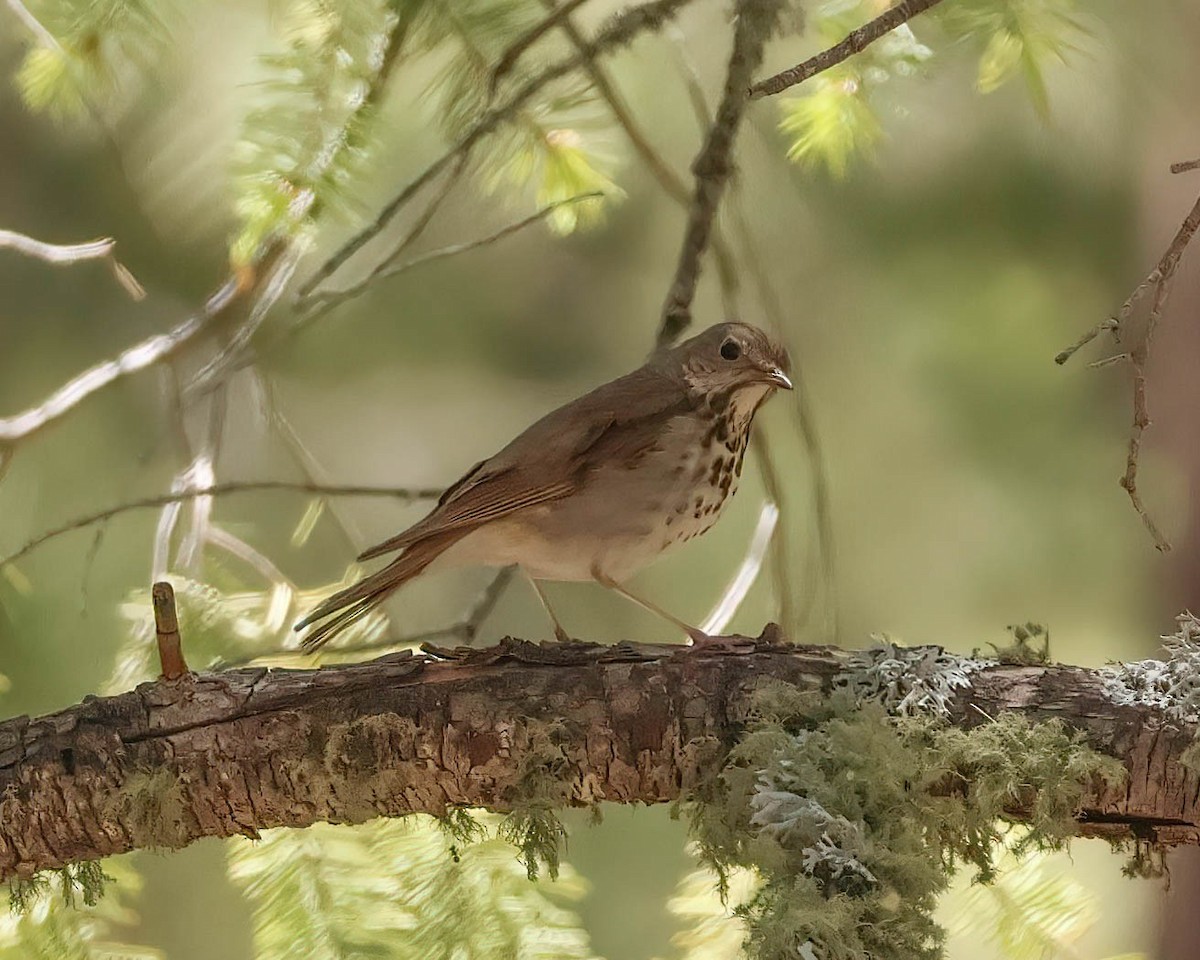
[{"x": 730, "y": 350}]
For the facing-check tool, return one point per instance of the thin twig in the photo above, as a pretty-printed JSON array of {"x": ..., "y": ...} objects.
[
  {"x": 146, "y": 354},
  {"x": 621, "y": 31},
  {"x": 70, "y": 253},
  {"x": 857, "y": 41},
  {"x": 1183, "y": 166},
  {"x": 755, "y": 19},
  {"x": 33, "y": 25},
  {"x": 323, "y": 302},
  {"x": 1158, "y": 284},
  {"x": 517, "y": 48},
  {"x": 739, "y": 586},
  {"x": 219, "y": 490}
]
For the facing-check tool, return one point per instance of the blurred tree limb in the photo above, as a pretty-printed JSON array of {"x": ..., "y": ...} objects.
[
  {"x": 239, "y": 751},
  {"x": 713, "y": 166},
  {"x": 1136, "y": 341}
]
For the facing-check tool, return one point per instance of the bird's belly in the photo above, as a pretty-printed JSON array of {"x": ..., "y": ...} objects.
[{"x": 621, "y": 521}]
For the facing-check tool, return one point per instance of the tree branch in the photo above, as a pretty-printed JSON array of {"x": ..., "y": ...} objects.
[
  {"x": 1158, "y": 284},
  {"x": 216, "y": 490},
  {"x": 59, "y": 253},
  {"x": 240, "y": 751},
  {"x": 713, "y": 165},
  {"x": 856, "y": 42}
]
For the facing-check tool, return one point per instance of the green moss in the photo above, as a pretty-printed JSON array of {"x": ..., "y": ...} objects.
[
  {"x": 76, "y": 881},
  {"x": 855, "y": 818},
  {"x": 542, "y": 787}
]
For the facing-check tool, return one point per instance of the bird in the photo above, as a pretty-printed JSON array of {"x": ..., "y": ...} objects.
[{"x": 596, "y": 489}]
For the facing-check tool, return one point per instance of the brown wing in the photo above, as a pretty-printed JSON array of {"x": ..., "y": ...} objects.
[{"x": 550, "y": 459}]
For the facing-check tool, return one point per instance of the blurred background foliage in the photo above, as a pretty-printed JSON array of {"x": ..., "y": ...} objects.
[{"x": 939, "y": 235}]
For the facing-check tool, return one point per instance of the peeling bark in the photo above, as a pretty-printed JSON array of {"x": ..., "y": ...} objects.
[{"x": 236, "y": 752}]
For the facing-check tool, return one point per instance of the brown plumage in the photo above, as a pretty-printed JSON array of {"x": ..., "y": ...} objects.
[{"x": 599, "y": 487}]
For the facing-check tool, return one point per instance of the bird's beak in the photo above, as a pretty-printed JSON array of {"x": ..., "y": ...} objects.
[{"x": 777, "y": 378}]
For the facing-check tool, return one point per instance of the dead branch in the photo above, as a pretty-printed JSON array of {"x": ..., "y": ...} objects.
[
  {"x": 60, "y": 254},
  {"x": 856, "y": 42},
  {"x": 237, "y": 752},
  {"x": 1137, "y": 352}
]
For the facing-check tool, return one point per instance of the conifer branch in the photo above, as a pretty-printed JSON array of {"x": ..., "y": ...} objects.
[{"x": 237, "y": 752}]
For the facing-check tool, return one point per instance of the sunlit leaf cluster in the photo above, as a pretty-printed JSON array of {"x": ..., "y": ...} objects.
[
  {"x": 100, "y": 51},
  {"x": 554, "y": 144},
  {"x": 303, "y": 143},
  {"x": 838, "y": 117}
]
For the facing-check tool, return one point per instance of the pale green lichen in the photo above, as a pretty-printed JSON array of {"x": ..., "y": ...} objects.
[
  {"x": 909, "y": 681},
  {"x": 1171, "y": 686},
  {"x": 854, "y": 817}
]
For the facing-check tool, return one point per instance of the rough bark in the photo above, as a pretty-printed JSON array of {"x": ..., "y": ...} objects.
[{"x": 239, "y": 751}]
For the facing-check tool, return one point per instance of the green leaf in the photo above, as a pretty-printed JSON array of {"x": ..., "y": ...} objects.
[{"x": 831, "y": 124}]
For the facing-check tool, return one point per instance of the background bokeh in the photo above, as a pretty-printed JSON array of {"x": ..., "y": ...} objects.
[{"x": 972, "y": 481}]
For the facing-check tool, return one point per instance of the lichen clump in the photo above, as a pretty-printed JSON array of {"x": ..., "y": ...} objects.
[
  {"x": 1171, "y": 685},
  {"x": 854, "y": 814}
]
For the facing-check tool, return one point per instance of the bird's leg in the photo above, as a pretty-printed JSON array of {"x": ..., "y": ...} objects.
[
  {"x": 697, "y": 636},
  {"x": 560, "y": 634}
]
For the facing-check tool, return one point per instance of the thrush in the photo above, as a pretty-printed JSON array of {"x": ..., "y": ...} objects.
[{"x": 598, "y": 488}]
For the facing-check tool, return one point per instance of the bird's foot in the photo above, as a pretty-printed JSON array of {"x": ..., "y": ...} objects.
[{"x": 703, "y": 642}]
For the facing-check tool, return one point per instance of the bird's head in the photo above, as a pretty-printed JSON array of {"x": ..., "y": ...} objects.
[{"x": 730, "y": 357}]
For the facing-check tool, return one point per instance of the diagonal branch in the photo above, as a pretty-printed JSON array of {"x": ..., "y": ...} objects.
[
  {"x": 217, "y": 490},
  {"x": 713, "y": 165},
  {"x": 237, "y": 752},
  {"x": 856, "y": 42}
]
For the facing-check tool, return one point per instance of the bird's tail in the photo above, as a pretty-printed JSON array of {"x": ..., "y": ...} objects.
[{"x": 348, "y": 606}]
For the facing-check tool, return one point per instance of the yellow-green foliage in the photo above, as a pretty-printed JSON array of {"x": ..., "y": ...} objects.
[
  {"x": 80, "y": 924},
  {"x": 837, "y": 117},
  {"x": 394, "y": 889},
  {"x": 855, "y": 820},
  {"x": 100, "y": 49}
]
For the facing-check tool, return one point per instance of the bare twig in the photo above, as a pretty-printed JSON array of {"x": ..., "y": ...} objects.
[
  {"x": 621, "y": 31},
  {"x": 218, "y": 490},
  {"x": 137, "y": 358},
  {"x": 1158, "y": 285},
  {"x": 59, "y": 253},
  {"x": 323, "y": 302},
  {"x": 803, "y": 405},
  {"x": 735, "y": 593},
  {"x": 1183, "y": 166},
  {"x": 517, "y": 48},
  {"x": 714, "y": 163},
  {"x": 857, "y": 41}
]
